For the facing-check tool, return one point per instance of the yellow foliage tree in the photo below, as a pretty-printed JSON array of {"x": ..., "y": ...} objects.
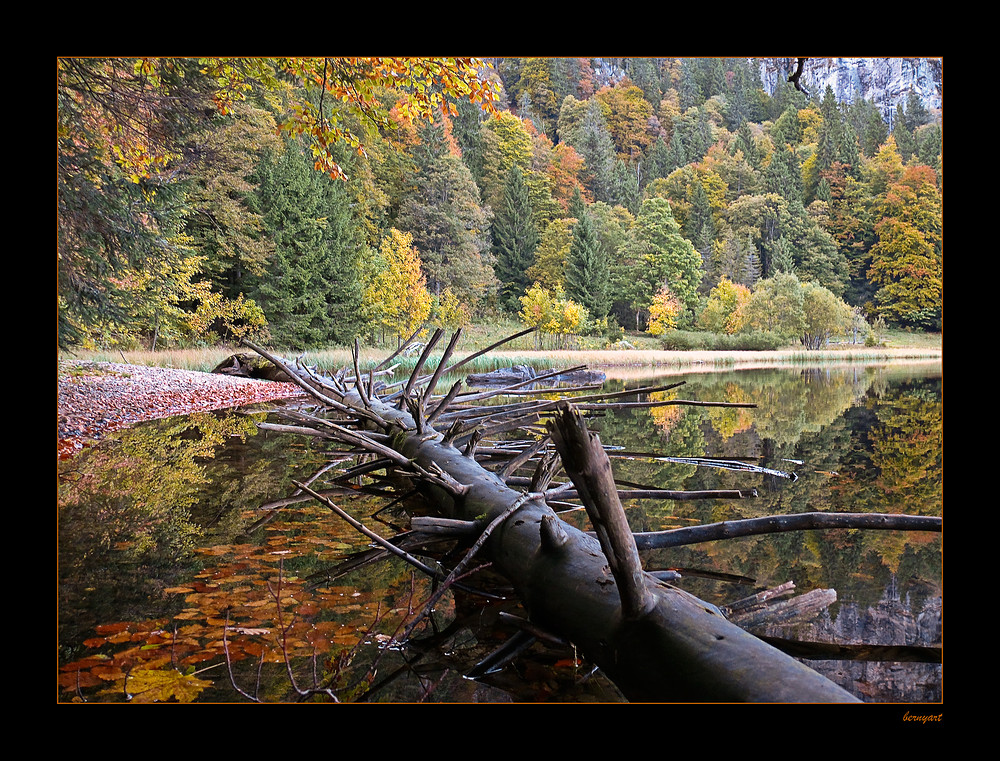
[
  {"x": 724, "y": 311},
  {"x": 552, "y": 313},
  {"x": 451, "y": 312},
  {"x": 396, "y": 296},
  {"x": 663, "y": 312}
]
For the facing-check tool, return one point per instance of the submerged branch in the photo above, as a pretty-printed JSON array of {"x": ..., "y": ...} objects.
[{"x": 773, "y": 524}]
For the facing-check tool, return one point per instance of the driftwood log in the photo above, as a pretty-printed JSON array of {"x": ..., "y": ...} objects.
[{"x": 654, "y": 640}]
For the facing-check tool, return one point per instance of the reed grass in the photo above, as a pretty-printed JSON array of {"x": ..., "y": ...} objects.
[{"x": 522, "y": 351}]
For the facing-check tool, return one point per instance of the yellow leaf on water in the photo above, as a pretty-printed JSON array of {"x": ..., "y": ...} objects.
[{"x": 160, "y": 686}]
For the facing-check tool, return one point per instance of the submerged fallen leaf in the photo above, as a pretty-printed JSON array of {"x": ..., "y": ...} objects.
[{"x": 160, "y": 686}]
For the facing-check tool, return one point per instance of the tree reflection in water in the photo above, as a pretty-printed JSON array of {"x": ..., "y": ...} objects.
[{"x": 162, "y": 540}]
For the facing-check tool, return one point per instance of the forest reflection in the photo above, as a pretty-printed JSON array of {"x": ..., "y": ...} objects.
[{"x": 164, "y": 543}]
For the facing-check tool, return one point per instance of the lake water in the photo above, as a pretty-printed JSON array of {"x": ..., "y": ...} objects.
[{"x": 188, "y": 565}]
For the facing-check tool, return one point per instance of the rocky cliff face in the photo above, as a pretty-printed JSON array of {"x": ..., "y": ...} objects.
[{"x": 884, "y": 81}]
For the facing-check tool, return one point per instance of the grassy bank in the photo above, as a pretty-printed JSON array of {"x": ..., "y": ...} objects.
[{"x": 642, "y": 351}]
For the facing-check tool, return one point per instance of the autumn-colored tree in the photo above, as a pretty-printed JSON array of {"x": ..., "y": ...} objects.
[
  {"x": 723, "y": 313},
  {"x": 682, "y": 189},
  {"x": 427, "y": 85},
  {"x": 117, "y": 133},
  {"x": 552, "y": 313},
  {"x": 396, "y": 298},
  {"x": 664, "y": 312},
  {"x": 537, "y": 90},
  {"x": 506, "y": 143},
  {"x": 549, "y": 268},
  {"x": 123, "y": 149},
  {"x": 449, "y": 312},
  {"x": 565, "y": 169},
  {"x": 907, "y": 262},
  {"x": 627, "y": 115}
]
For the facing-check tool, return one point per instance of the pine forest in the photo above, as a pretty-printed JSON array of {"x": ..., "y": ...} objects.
[{"x": 309, "y": 202}]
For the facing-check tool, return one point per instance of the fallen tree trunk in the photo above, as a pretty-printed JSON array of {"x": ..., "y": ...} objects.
[{"x": 655, "y": 641}]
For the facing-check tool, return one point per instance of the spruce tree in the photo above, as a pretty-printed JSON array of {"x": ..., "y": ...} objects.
[
  {"x": 515, "y": 239},
  {"x": 598, "y": 152},
  {"x": 311, "y": 291},
  {"x": 587, "y": 272},
  {"x": 744, "y": 141},
  {"x": 658, "y": 162},
  {"x": 624, "y": 189},
  {"x": 577, "y": 206},
  {"x": 450, "y": 228},
  {"x": 783, "y": 175}
]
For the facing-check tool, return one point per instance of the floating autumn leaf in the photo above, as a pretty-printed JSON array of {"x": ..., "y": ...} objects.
[
  {"x": 250, "y": 631},
  {"x": 145, "y": 686}
]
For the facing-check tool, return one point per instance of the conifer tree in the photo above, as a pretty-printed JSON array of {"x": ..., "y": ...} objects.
[
  {"x": 587, "y": 273},
  {"x": 658, "y": 162},
  {"x": 624, "y": 189},
  {"x": 450, "y": 228},
  {"x": 875, "y": 132},
  {"x": 745, "y": 142},
  {"x": 690, "y": 89},
  {"x": 916, "y": 112},
  {"x": 577, "y": 206},
  {"x": 515, "y": 239},
  {"x": 783, "y": 175},
  {"x": 467, "y": 128},
  {"x": 701, "y": 222},
  {"x": 594, "y": 144},
  {"x": 311, "y": 291}
]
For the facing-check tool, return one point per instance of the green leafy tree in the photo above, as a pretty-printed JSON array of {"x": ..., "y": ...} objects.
[
  {"x": 776, "y": 306},
  {"x": 824, "y": 315},
  {"x": 656, "y": 254}
]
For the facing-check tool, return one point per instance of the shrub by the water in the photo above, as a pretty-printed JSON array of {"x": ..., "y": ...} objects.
[{"x": 684, "y": 340}]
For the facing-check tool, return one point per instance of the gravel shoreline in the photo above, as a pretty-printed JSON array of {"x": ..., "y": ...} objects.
[{"x": 94, "y": 398}]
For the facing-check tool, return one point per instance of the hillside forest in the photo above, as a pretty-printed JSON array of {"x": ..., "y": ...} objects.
[{"x": 309, "y": 202}]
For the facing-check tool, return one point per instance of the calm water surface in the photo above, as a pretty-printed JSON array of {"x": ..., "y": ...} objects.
[{"x": 188, "y": 564}]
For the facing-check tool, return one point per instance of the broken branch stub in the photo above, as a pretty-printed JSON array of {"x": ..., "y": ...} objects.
[{"x": 587, "y": 465}]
